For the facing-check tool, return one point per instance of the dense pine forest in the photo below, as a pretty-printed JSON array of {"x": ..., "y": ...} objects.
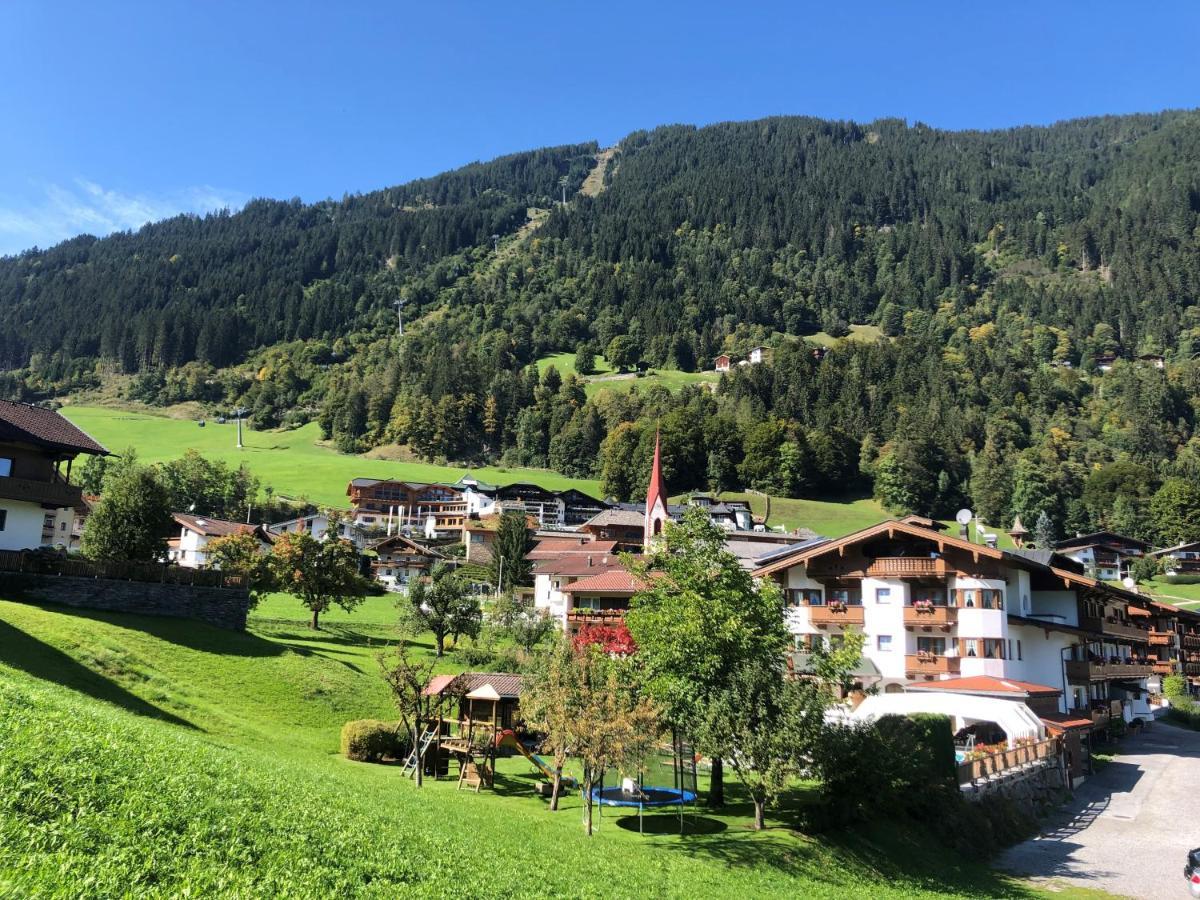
[{"x": 998, "y": 268}]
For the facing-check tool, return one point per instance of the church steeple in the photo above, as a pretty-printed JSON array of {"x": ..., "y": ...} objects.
[{"x": 656, "y": 498}]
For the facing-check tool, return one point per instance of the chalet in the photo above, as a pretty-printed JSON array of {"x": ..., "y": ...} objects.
[
  {"x": 1104, "y": 361},
  {"x": 934, "y": 607},
  {"x": 1106, "y": 554},
  {"x": 317, "y": 525},
  {"x": 553, "y": 577},
  {"x": 1182, "y": 559},
  {"x": 760, "y": 355},
  {"x": 732, "y": 515},
  {"x": 38, "y": 502},
  {"x": 432, "y": 510},
  {"x": 190, "y": 549},
  {"x": 550, "y": 509},
  {"x": 400, "y": 560},
  {"x": 601, "y": 599},
  {"x": 624, "y": 523},
  {"x": 1153, "y": 360},
  {"x": 723, "y": 362}
]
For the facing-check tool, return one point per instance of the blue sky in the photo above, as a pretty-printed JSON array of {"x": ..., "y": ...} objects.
[{"x": 118, "y": 113}]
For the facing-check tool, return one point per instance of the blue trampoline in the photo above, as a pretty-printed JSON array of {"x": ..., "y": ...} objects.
[{"x": 645, "y": 796}]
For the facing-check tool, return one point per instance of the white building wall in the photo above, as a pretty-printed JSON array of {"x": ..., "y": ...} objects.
[
  {"x": 886, "y": 619},
  {"x": 23, "y": 525},
  {"x": 1057, "y": 603},
  {"x": 1041, "y": 658}
]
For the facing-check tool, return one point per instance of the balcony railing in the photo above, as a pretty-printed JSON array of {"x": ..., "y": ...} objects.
[
  {"x": 1192, "y": 668},
  {"x": 906, "y": 567},
  {"x": 595, "y": 616},
  {"x": 54, "y": 493},
  {"x": 998, "y": 764},
  {"x": 1191, "y": 640},
  {"x": 1162, "y": 638},
  {"x": 931, "y": 664},
  {"x": 1081, "y": 670},
  {"x": 930, "y": 616},
  {"x": 1164, "y": 668},
  {"x": 843, "y": 614},
  {"x": 1110, "y": 626},
  {"x": 1099, "y": 715}
]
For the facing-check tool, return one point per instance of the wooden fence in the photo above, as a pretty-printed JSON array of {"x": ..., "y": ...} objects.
[
  {"x": 973, "y": 770},
  {"x": 150, "y": 573}
]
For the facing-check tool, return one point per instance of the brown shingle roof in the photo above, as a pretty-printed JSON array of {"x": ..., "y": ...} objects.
[
  {"x": 614, "y": 581},
  {"x": 210, "y": 527},
  {"x": 44, "y": 428}
]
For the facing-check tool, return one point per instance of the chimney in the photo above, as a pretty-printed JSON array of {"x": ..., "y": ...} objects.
[{"x": 589, "y": 560}]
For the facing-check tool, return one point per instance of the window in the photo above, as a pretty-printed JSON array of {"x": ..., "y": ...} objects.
[
  {"x": 971, "y": 647},
  {"x": 848, "y": 596},
  {"x": 3, "y": 518},
  {"x": 1009, "y": 649},
  {"x": 804, "y": 597},
  {"x": 968, "y": 599},
  {"x": 6, "y": 464},
  {"x": 931, "y": 646},
  {"x": 883, "y": 643},
  {"x": 993, "y": 648},
  {"x": 883, "y": 595},
  {"x": 1019, "y": 656}
]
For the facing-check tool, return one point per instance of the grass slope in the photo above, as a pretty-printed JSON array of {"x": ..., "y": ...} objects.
[
  {"x": 1186, "y": 596},
  {"x": 290, "y": 461},
  {"x": 156, "y": 757},
  {"x": 606, "y": 378}
]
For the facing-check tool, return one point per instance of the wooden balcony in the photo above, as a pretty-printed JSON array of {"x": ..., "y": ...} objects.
[
  {"x": 1162, "y": 638},
  {"x": 907, "y": 567},
  {"x": 929, "y": 664},
  {"x": 930, "y": 617},
  {"x": 50, "y": 493},
  {"x": 1113, "y": 628},
  {"x": 824, "y": 616},
  {"x": 992, "y": 765},
  {"x": 1192, "y": 668},
  {"x": 595, "y": 616},
  {"x": 1191, "y": 641},
  {"x": 1099, "y": 715},
  {"x": 1079, "y": 671},
  {"x": 1165, "y": 668}
]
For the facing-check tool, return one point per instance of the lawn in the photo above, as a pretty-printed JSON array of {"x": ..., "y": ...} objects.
[
  {"x": 158, "y": 757},
  {"x": 866, "y": 333},
  {"x": 606, "y": 378},
  {"x": 291, "y": 462},
  {"x": 1186, "y": 596}
]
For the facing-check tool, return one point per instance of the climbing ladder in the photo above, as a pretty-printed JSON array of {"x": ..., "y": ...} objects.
[{"x": 418, "y": 753}]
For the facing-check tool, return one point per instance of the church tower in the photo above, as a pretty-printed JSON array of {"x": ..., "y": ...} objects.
[{"x": 656, "y": 498}]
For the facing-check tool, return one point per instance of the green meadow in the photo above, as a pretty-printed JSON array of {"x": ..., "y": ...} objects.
[
  {"x": 291, "y": 462},
  {"x": 147, "y": 757}
]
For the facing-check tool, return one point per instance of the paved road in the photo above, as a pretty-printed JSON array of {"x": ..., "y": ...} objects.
[{"x": 1129, "y": 827}]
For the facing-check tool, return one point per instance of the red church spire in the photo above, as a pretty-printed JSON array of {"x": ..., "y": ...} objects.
[{"x": 656, "y": 498}]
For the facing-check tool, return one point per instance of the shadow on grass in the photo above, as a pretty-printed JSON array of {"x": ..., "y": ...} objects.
[
  {"x": 25, "y": 652},
  {"x": 663, "y": 822}
]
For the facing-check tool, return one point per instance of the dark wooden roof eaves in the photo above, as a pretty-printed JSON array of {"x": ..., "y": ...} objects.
[{"x": 24, "y": 423}]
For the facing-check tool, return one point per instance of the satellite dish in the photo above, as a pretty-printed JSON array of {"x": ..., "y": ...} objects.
[
  {"x": 1129, "y": 583},
  {"x": 964, "y": 517}
]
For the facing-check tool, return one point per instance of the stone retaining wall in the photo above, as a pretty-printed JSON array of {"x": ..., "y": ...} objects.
[{"x": 222, "y": 607}]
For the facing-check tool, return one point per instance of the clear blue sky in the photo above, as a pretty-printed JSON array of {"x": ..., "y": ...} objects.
[{"x": 118, "y": 112}]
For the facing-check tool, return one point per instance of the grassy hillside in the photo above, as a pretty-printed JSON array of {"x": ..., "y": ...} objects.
[
  {"x": 290, "y": 461},
  {"x": 605, "y": 377},
  {"x": 160, "y": 757}
]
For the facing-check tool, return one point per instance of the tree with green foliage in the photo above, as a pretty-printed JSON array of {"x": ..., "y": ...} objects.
[
  {"x": 320, "y": 573},
  {"x": 766, "y": 725},
  {"x": 699, "y": 618},
  {"x": 443, "y": 604},
  {"x": 1174, "y": 686},
  {"x": 133, "y": 518},
  {"x": 549, "y": 704},
  {"x": 1175, "y": 511},
  {"x": 832, "y": 665},
  {"x": 516, "y": 617},
  {"x": 242, "y": 554},
  {"x": 407, "y": 673},
  {"x": 585, "y": 358},
  {"x": 622, "y": 353},
  {"x": 209, "y": 487},
  {"x": 509, "y": 568}
]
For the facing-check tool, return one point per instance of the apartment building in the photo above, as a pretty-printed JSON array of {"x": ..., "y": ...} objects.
[
  {"x": 934, "y": 607},
  {"x": 1103, "y": 554},
  {"x": 432, "y": 510}
]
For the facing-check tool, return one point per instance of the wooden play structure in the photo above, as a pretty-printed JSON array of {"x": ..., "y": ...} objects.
[{"x": 467, "y": 719}]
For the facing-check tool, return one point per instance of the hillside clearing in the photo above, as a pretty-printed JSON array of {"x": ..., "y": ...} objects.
[{"x": 290, "y": 461}]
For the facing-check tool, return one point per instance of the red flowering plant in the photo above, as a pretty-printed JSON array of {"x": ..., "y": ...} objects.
[{"x": 612, "y": 639}]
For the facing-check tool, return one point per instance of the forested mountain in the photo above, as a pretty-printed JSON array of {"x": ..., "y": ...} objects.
[{"x": 998, "y": 266}]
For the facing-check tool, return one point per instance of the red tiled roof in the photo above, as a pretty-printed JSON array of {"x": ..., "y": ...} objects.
[
  {"x": 44, "y": 427},
  {"x": 988, "y": 684},
  {"x": 655, "y": 489},
  {"x": 614, "y": 581},
  {"x": 1065, "y": 721}
]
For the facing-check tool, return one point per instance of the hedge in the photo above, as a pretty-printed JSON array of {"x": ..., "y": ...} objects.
[{"x": 370, "y": 740}]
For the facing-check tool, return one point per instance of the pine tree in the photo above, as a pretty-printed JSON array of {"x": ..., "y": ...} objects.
[{"x": 1044, "y": 537}]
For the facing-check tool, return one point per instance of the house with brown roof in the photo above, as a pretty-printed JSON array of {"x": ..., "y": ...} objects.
[
  {"x": 399, "y": 561},
  {"x": 190, "y": 549},
  {"x": 38, "y": 502}
]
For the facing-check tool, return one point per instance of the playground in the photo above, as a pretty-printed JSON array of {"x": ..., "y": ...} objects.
[{"x": 471, "y": 725}]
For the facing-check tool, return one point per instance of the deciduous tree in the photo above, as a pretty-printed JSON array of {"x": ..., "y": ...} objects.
[
  {"x": 444, "y": 605},
  {"x": 320, "y": 573}
]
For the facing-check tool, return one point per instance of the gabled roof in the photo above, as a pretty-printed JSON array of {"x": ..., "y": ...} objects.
[
  {"x": 210, "y": 527},
  {"x": 28, "y": 424},
  {"x": 987, "y": 685},
  {"x": 809, "y": 550},
  {"x": 1186, "y": 545},
  {"x": 1099, "y": 539},
  {"x": 615, "y": 581},
  {"x": 399, "y": 540},
  {"x": 577, "y": 564},
  {"x": 553, "y": 548},
  {"x": 623, "y": 517},
  {"x": 505, "y": 685}
]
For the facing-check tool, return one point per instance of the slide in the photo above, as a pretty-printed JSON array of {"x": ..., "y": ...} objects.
[{"x": 506, "y": 738}]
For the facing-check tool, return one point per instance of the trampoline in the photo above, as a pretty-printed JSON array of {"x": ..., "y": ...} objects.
[{"x": 645, "y": 796}]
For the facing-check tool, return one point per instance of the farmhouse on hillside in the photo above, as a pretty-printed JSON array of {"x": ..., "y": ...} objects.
[
  {"x": 197, "y": 532},
  {"x": 38, "y": 502}
]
